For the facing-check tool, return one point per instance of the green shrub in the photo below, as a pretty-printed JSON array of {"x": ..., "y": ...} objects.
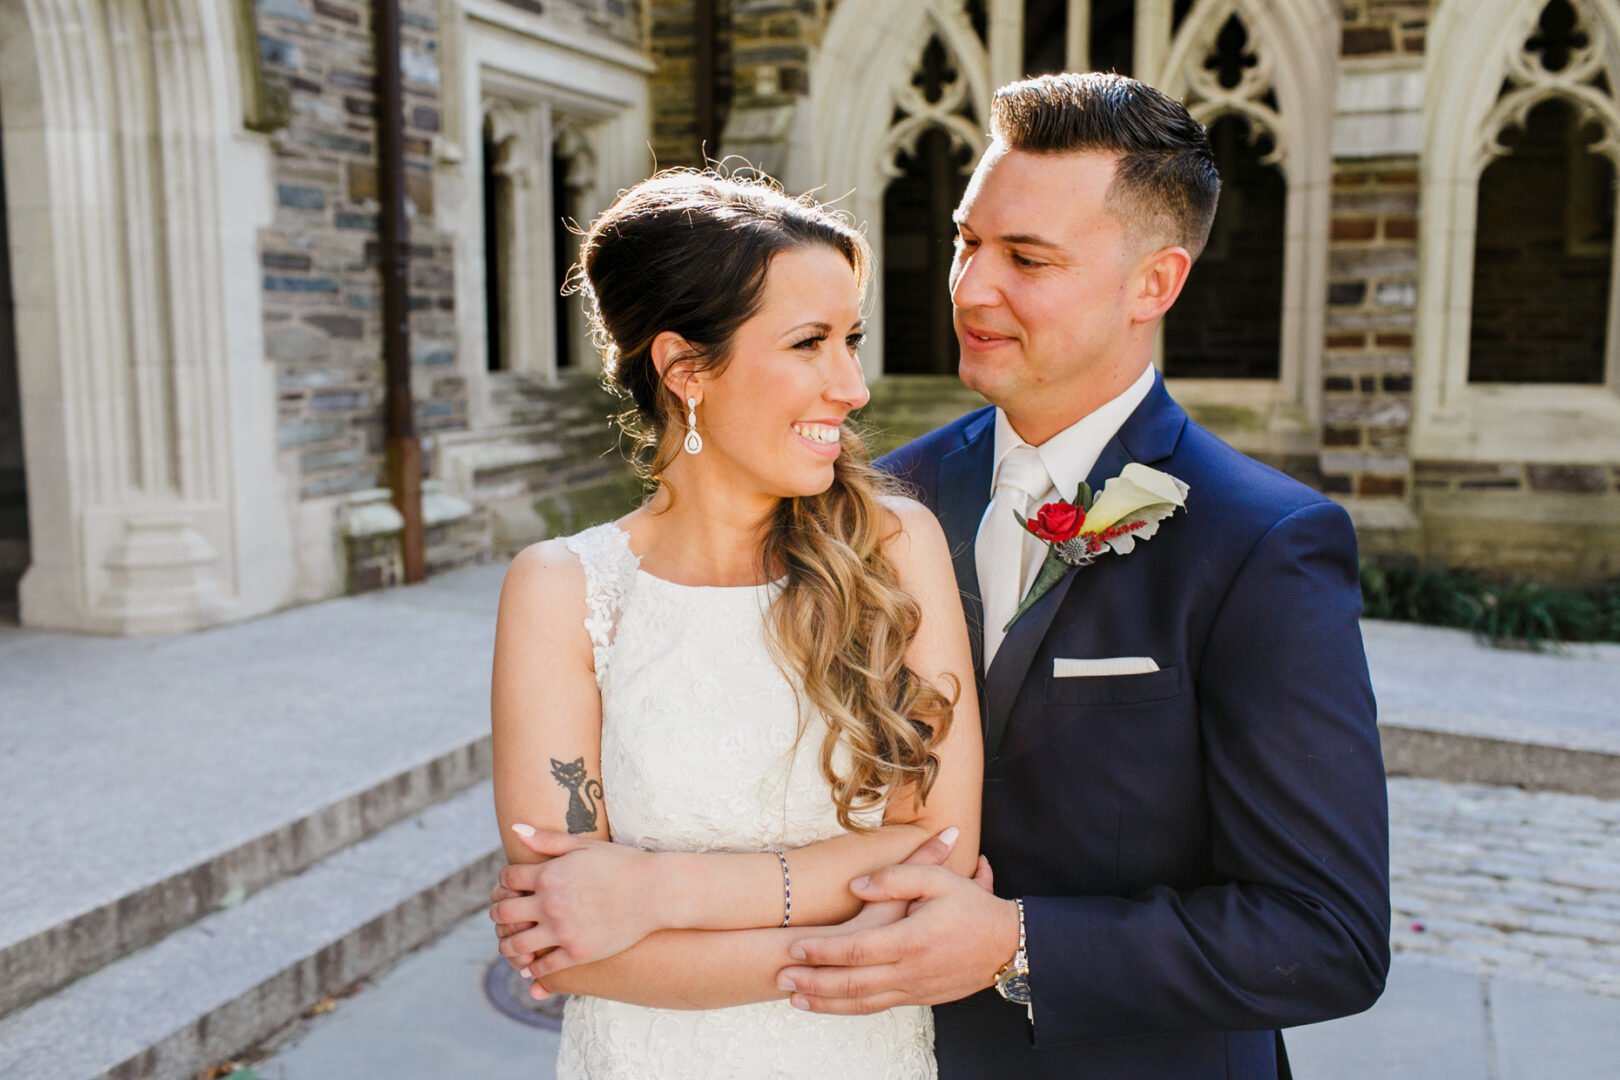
[{"x": 1516, "y": 614}]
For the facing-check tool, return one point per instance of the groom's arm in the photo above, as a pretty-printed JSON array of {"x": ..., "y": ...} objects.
[
  {"x": 1299, "y": 827},
  {"x": 1299, "y": 930}
]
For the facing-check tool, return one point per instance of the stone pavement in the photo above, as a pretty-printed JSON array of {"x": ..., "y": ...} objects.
[
  {"x": 1515, "y": 882},
  {"x": 139, "y": 773},
  {"x": 1515, "y": 974}
]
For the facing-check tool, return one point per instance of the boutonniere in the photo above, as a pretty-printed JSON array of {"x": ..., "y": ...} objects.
[{"x": 1080, "y": 530}]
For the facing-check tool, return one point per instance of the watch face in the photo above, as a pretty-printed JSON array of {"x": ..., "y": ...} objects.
[{"x": 1014, "y": 986}]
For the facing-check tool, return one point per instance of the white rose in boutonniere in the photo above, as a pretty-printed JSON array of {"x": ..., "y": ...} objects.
[{"x": 1077, "y": 531}]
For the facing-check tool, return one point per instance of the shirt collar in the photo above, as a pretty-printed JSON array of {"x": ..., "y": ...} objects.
[{"x": 1070, "y": 454}]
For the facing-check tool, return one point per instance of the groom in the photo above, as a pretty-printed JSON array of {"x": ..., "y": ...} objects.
[{"x": 1184, "y": 799}]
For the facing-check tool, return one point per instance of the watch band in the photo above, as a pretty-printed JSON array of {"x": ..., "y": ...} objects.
[{"x": 1012, "y": 981}]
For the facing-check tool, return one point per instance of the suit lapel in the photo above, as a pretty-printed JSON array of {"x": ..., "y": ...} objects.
[
  {"x": 1152, "y": 431},
  {"x": 961, "y": 495}
]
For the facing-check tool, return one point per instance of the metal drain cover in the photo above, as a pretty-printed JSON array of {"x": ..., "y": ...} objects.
[{"x": 509, "y": 993}]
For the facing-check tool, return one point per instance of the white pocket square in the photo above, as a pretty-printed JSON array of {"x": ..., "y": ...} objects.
[{"x": 1113, "y": 665}]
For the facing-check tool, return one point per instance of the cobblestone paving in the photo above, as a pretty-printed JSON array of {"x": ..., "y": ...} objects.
[{"x": 1510, "y": 881}]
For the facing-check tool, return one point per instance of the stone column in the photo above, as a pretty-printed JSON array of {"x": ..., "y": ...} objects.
[
  {"x": 1153, "y": 20},
  {"x": 1006, "y": 42},
  {"x": 132, "y": 396},
  {"x": 1077, "y": 36}
]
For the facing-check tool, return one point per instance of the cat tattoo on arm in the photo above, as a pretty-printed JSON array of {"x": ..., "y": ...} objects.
[{"x": 583, "y": 794}]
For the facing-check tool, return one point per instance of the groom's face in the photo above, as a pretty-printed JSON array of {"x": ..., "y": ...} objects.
[{"x": 1042, "y": 286}]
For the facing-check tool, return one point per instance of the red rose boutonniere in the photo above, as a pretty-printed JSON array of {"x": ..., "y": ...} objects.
[{"x": 1078, "y": 531}]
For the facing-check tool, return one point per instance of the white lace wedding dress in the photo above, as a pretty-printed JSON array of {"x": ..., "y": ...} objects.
[{"x": 698, "y": 734}]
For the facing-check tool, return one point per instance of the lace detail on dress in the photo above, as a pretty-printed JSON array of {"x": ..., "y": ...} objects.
[
  {"x": 702, "y": 751},
  {"x": 610, "y": 573}
]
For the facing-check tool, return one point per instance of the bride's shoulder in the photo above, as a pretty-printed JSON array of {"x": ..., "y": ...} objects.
[
  {"x": 913, "y": 539},
  {"x": 545, "y": 577}
]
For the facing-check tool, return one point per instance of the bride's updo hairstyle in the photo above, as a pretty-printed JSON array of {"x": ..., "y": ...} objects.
[{"x": 688, "y": 252}]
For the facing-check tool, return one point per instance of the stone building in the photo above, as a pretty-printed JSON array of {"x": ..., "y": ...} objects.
[{"x": 1409, "y": 299}]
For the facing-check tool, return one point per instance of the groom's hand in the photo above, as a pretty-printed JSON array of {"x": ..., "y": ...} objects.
[{"x": 951, "y": 944}]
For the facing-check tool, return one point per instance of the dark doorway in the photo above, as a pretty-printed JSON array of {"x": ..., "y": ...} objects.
[
  {"x": 1228, "y": 322},
  {"x": 1046, "y": 24},
  {"x": 918, "y": 243},
  {"x": 1543, "y": 255},
  {"x": 497, "y": 227},
  {"x": 918, "y": 239},
  {"x": 1113, "y": 35},
  {"x": 566, "y": 232},
  {"x": 14, "y": 552}
]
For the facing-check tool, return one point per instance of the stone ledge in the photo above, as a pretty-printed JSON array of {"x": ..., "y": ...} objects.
[
  {"x": 44, "y": 962},
  {"x": 1477, "y": 759},
  {"x": 222, "y": 984}
]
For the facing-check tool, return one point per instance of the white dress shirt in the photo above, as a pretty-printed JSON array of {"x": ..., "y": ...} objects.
[{"x": 1070, "y": 455}]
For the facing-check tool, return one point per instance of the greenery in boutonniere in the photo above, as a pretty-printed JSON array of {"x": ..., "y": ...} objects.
[{"x": 1079, "y": 530}]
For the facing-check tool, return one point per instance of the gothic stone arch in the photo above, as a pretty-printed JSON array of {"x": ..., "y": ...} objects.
[
  {"x": 1475, "y": 46},
  {"x": 1297, "y": 44},
  {"x": 862, "y": 74},
  {"x": 147, "y": 409}
]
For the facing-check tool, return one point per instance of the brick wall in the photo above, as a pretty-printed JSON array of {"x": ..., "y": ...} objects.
[
  {"x": 320, "y": 278},
  {"x": 1371, "y": 317},
  {"x": 1384, "y": 28}
]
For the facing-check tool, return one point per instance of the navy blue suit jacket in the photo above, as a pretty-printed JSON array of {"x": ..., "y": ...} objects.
[{"x": 1203, "y": 850}]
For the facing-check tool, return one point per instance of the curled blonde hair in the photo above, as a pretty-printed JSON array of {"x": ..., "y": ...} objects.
[{"x": 688, "y": 252}]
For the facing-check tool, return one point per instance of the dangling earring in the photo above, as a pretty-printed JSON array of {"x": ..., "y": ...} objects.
[{"x": 694, "y": 441}]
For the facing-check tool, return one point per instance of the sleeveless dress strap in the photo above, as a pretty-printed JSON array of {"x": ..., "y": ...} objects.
[{"x": 610, "y": 573}]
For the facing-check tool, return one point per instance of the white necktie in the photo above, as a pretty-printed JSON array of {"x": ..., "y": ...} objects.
[{"x": 1002, "y": 552}]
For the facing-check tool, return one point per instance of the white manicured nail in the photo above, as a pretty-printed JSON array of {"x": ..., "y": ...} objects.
[{"x": 523, "y": 830}]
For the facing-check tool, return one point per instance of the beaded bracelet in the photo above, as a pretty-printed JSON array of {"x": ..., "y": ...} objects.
[{"x": 787, "y": 888}]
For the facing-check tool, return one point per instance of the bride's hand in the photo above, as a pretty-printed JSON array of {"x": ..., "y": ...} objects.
[
  {"x": 932, "y": 852},
  {"x": 591, "y": 900}
]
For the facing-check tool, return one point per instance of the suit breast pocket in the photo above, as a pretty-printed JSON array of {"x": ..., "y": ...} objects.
[{"x": 1115, "y": 689}]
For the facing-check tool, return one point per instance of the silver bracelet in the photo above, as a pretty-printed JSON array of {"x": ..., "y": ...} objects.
[{"x": 787, "y": 888}]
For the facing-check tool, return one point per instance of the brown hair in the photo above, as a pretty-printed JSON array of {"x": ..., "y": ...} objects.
[
  {"x": 1167, "y": 185},
  {"x": 688, "y": 252}
]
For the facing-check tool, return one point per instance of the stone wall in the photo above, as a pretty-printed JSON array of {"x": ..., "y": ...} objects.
[
  {"x": 762, "y": 70},
  {"x": 321, "y": 280},
  {"x": 13, "y": 499},
  {"x": 322, "y": 287},
  {"x": 1382, "y": 28},
  {"x": 619, "y": 20},
  {"x": 1371, "y": 318}
]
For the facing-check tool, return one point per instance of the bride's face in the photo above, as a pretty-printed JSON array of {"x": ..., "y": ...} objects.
[{"x": 774, "y": 413}]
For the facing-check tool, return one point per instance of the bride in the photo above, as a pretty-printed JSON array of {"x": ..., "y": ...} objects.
[{"x": 714, "y": 713}]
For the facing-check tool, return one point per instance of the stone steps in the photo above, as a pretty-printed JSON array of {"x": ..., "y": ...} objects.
[
  {"x": 84, "y": 941},
  {"x": 231, "y": 978}
]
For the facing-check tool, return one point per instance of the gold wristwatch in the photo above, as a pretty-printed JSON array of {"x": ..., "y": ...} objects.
[{"x": 1012, "y": 981}]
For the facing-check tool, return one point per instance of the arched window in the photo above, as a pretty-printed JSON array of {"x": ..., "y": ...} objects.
[
  {"x": 931, "y": 164},
  {"x": 1544, "y": 246},
  {"x": 1517, "y": 343},
  {"x": 1249, "y": 325},
  {"x": 1228, "y": 321},
  {"x": 908, "y": 161}
]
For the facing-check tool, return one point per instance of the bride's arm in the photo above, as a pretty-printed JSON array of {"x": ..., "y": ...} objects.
[{"x": 545, "y": 711}]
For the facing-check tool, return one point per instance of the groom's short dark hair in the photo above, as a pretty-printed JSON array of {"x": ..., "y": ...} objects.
[{"x": 1167, "y": 184}]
